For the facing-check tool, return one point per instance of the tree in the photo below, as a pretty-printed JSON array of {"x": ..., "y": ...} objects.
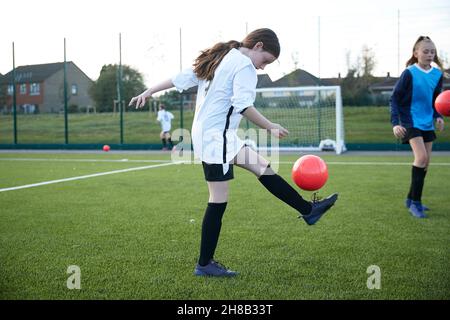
[
  {"x": 355, "y": 86},
  {"x": 104, "y": 90},
  {"x": 366, "y": 63},
  {"x": 171, "y": 99},
  {"x": 443, "y": 56},
  {"x": 295, "y": 59}
]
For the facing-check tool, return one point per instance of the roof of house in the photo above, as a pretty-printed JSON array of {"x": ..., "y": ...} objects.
[
  {"x": 264, "y": 81},
  {"x": 330, "y": 81},
  {"x": 192, "y": 90},
  {"x": 297, "y": 78},
  {"x": 383, "y": 83},
  {"x": 35, "y": 72}
]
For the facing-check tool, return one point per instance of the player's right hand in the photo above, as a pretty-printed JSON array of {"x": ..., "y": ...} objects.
[
  {"x": 399, "y": 131},
  {"x": 440, "y": 124},
  {"x": 278, "y": 131},
  {"x": 140, "y": 99}
]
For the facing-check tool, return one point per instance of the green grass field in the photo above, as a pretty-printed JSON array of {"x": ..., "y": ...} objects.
[
  {"x": 135, "y": 235},
  {"x": 362, "y": 125}
]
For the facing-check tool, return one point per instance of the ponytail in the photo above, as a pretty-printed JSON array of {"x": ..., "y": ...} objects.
[{"x": 206, "y": 63}]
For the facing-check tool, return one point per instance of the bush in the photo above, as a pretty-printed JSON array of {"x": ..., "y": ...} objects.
[{"x": 72, "y": 108}]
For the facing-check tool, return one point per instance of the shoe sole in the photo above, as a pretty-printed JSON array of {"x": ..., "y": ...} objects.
[
  {"x": 201, "y": 274},
  {"x": 418, "y": 217},
  {"x": 425, "y": 208}
]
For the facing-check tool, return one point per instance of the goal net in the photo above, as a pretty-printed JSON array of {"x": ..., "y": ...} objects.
[{"x": 313, "y": 116}]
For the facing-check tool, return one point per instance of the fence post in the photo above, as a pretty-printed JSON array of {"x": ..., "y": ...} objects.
[
  {"x": 119, "y": 89},
  {"x": 66, "y": 122},
  {"x": 14, "y": 96}
]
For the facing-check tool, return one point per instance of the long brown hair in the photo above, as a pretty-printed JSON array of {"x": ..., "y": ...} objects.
[
  {"x": 206, "y": 63},
  {"x": 414, "y": 60}
]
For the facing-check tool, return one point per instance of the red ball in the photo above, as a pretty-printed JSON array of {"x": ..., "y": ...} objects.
[
  {"x": 310, "y": 173},
  {"x": 442, "y": 103},
  {"x": 106, "y": 148}
]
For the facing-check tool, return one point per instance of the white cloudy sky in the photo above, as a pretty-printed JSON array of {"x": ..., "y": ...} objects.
[{"x": 150, "y": 32}]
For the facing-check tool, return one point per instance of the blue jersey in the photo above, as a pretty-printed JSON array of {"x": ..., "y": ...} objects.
[{"x": 412, "y": 101}]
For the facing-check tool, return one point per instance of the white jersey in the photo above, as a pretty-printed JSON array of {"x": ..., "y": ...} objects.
[
  {"x": 165, "y": 117},
  {"x": 219, "y": 105}
]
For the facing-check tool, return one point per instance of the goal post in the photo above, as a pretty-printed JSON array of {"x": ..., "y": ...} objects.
[{"x": 312, "y": 115}]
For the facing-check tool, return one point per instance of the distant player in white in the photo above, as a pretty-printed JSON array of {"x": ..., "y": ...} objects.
[
  {"x": 226, "y": 78},
  {"x": 165, "y": 118}
]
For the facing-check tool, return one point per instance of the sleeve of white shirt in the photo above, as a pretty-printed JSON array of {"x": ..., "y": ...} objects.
[
  {"x": 171, "y": 115},
  {"x": 185, "y": 79},
  {"x": 244, "y": 88}
]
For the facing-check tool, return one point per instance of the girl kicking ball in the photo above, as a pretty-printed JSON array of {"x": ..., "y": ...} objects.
[{"x": 226, "y": 78}]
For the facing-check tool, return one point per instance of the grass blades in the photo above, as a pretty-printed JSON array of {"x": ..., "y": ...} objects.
[{"x": 136, "y": 235}]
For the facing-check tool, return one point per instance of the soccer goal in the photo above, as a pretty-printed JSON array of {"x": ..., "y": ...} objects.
[{"x": 313, "y": 116}]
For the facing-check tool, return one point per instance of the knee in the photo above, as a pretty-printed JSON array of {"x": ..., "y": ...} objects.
[
  {"x": 266, "y": 169},
  {"x": 422, "y": 161},
  {"x": 218, "y": 197}
]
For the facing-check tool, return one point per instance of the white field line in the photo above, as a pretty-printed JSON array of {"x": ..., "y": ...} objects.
[
  {"x": 83, "y": 160},
  {"x": 358, "y": 163},
  {"x": 167, "y": 164},
  {"x": 86, "y": 176},
  {"x": 363, "y": 163}
]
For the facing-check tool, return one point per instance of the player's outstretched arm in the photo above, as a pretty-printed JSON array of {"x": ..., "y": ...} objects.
[
  {"x": 258, "y": 119},
  {"x": 142, "y": 98}
]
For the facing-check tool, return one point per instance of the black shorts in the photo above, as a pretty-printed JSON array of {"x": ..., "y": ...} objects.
[
  {"x": 428, "y": 136},
  {"x": 214, "y": 172}
]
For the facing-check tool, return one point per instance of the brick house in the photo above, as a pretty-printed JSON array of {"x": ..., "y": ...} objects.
[{"x": 40, "y": 88}]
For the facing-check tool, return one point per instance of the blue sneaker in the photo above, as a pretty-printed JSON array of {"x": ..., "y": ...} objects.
[
  {"x": 319, "y": 208},
  {"x": 214, "y": 269},
  {"x": 416, "y": 210},
  {"x": 408, "y": 204}
]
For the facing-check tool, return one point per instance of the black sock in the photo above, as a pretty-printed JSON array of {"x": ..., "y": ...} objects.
[
  {"x": 170, "y": 143},
  {"x": 417, "y": 182},
  {"x": 283, "y": 191},
  {"x": 409, "y": 196},
  {"x": 164, "y": 142},
  {"x": 412, "y": 185},
  {"x": 212, "y": 222}
]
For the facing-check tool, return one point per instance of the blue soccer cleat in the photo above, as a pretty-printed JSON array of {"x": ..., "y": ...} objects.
[
  {"x": 213, "y": 269},
  {"x": 319, "y": 208},
  {"x": 408, "y": 204},
  {"x": 416, "y": 210}
]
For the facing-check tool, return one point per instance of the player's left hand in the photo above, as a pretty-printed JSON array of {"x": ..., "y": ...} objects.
[{"x": 440, "y": 124}]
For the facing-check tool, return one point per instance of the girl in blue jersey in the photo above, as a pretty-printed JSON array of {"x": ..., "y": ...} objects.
[
  {"x": 226, "y": 78},
  {"x": 413, "y": 114}
]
